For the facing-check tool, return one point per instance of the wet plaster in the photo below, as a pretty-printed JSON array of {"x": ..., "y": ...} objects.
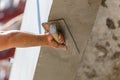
[{"x": 57, "y": 64}]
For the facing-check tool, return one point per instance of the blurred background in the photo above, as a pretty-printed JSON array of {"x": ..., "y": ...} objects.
[{"x": 8, "y": 10}]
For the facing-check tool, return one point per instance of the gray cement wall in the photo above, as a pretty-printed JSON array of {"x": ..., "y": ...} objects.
[
  {"x": 57, "y": 64},
  {"x": 101, "y": 60}
]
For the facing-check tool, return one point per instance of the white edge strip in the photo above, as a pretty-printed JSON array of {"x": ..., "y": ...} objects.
[{"x": 26, "y": 58}]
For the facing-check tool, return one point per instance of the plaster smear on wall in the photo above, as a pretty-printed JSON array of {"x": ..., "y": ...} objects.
[{"x": 101, "y": 60}]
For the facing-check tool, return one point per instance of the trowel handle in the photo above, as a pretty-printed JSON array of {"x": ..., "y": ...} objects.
[{"x": 54, "y": 32}]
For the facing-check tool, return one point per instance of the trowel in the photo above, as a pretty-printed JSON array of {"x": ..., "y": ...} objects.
[{"x": 51, "y": 27}]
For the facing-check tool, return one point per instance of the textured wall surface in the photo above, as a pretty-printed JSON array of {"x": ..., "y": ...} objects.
[
  {"x": 58, "y": 64},
  {"x": 101, "y": 60}
]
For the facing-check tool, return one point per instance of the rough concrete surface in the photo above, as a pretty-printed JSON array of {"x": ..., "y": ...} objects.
[
  {"x": 101, "y": 60},
  {"x": 57, "y": 64}
]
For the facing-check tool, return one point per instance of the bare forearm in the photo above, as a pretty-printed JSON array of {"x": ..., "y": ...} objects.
[{"x": 23, "y": 39}]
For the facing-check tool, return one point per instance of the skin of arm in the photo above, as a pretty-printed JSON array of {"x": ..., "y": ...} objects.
[{"x": 16, "y": 38}]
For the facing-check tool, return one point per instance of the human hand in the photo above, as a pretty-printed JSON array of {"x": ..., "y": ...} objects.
[{"x": 53, "y": 43}]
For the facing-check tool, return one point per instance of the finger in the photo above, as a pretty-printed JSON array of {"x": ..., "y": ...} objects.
[
  {"x": 61, "y": 38},
  {"x": 50, "y": 38},
  {"x": 61, "y": 46},
  {"x": 54, "y": 44},
  {"x": 57, "y": 45}
]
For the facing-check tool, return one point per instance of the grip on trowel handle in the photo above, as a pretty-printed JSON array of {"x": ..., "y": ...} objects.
[
  {"x": 54, "y": 32},
  {"x": 51, "y": 28}
]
